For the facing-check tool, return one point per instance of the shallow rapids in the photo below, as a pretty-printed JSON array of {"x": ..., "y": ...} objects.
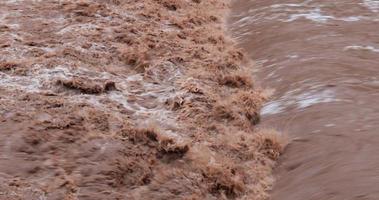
[{"x": 322, "y": 59}]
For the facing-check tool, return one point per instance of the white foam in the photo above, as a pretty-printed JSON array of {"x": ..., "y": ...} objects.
[
  {"x": 13, "y": 1},
  {"x": 78, "y": 28},
  {"x": 271, "y": 108},
  {"x": 314, "y": 15},
  {"x": 19, "y": 83},
  {"x": 373, "y": 5},
  {"x": 310, "y": 12},
  {"x": 358, "y": 47},
  {"x": 287, "y": 5},
  {"x": 330, "y": 125},
  {"x": 351, "y": 18},
  {"x": 299, "y": 100},
  {"x": 308, "y": 99},
  {"x": 325, "y": 35},
  {"x": 293, "y": 56},
  {"x": 39, "y": 80}
]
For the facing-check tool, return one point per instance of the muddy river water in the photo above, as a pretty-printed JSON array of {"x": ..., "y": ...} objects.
[{"x": 322, "y": 59}]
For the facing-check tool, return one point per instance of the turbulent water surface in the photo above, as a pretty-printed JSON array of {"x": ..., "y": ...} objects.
[
  {"x": 321, "y": 57},
  {"x": 128, "y": 99}
]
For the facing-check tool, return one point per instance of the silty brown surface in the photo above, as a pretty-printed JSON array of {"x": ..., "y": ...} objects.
[
  {"x": 112, "y": 99},
  {"x": 321, "y": 58}
]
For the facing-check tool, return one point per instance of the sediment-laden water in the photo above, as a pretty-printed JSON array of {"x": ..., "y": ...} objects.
[
  {"x": 322, "y": 60},
  {"x": 128, "y": 99}
]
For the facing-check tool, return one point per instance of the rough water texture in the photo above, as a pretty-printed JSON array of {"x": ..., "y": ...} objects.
[
  {"x": 321, "y": 58},
  {"x": 128, "y": 99}
]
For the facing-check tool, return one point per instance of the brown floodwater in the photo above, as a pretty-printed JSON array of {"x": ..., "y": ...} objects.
[{"x": 322, "y": 59}]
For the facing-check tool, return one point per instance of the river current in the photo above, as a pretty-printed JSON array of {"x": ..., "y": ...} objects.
[{"x": 321, "y": 59}]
